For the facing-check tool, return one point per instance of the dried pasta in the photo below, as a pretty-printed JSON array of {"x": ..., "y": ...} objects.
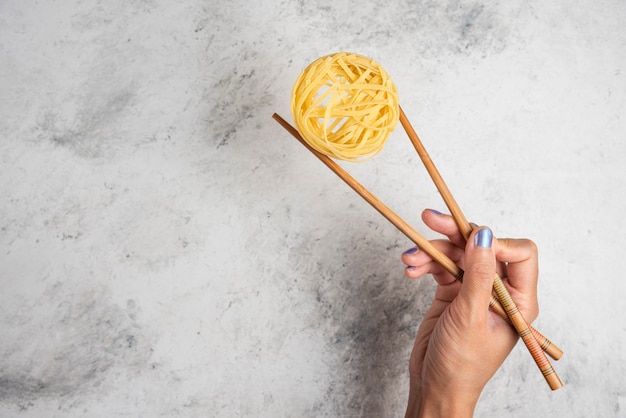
[{"x": 345, "y": 106}]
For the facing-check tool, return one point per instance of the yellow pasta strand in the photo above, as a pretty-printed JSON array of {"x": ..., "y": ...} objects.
[{"x": 345, "y": 106}]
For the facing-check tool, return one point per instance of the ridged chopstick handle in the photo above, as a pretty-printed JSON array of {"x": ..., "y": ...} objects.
[{"x": 526, "y": 334}]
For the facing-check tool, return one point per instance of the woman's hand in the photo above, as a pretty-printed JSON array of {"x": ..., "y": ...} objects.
[{"x": 461, "y": 343}]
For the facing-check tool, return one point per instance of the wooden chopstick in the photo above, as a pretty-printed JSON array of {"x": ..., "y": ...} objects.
[{"x": 534, "y": 341}]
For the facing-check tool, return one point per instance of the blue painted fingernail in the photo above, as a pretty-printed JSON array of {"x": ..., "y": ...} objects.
[
  {"x": 411, "y": 250},
  {"x": 483, "y": 238},
  {"x": 410, "y": 268},
  {"x": 436, "y": 212}
]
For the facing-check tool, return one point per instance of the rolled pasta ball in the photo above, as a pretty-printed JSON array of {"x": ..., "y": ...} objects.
[{"x": 345, "y": 106}]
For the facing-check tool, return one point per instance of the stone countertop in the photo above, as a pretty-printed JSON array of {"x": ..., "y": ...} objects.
[{"x": 166, "y": 249}]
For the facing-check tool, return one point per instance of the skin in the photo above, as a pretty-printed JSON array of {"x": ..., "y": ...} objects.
[{"x": 461, "y": 343}]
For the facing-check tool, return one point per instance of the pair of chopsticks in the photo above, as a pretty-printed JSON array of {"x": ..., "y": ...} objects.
[{"x": 537, "y": 344}]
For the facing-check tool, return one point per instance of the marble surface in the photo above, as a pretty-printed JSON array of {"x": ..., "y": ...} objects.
[{"x": 166, "y": 249}]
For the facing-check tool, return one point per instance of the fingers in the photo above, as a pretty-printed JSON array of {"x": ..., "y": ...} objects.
[
  {"x": 522, "y": 273},
  {"x": 515, "y": 260},
  {"x": 522, "y": 260},
  {"x": 480, "y": 270},
  {"x": 419, "y": 263},
  {"x": 444, "y": 224}
]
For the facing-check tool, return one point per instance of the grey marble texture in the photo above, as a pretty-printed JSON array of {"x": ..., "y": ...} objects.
[{"x": 166, "y": 249}]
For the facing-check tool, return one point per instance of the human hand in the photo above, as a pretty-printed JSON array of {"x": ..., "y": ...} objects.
[{"x": 460, "y": 343}]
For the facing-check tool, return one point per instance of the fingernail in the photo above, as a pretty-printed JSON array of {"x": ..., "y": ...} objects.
[
  {"x": 436, "y": 212},
  {"x": 410, "y": 268},
  {"x": 411, "y": 250},
  {"x": 483, "y": 238}
]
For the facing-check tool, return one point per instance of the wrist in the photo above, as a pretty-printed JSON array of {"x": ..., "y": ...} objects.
[
  {"x": 446, "y": 408},
  {"x": 425, "y": 403}
]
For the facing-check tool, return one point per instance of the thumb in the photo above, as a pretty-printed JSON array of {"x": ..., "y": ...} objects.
[{"x": 480, "y": 270}]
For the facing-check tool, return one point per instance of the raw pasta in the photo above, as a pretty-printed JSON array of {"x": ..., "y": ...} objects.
[{"x": 345, "y": 106}]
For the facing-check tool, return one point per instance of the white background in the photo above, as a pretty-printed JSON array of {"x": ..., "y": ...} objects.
[{"x": 166, "y": 249}]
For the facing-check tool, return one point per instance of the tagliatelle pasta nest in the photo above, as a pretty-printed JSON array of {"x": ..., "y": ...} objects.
[{"x": 345, "y": 106}]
